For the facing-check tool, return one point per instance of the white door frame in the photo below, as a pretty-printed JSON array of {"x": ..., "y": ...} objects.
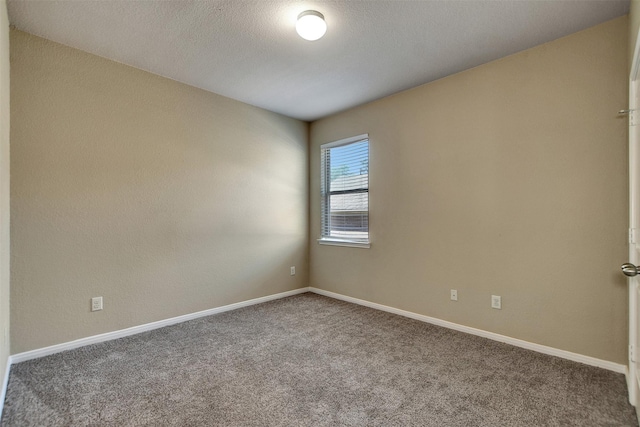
[{"x": 633, "y": 382}]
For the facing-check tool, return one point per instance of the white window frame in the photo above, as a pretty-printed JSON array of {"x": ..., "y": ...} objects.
[{"x": 333, "y": 241}]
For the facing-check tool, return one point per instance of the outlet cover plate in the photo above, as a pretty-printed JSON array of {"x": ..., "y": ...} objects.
[
  {"x": 454, "y": 295},
  {"x": 96, "y": 304},
  {"x": 496, "y": 302}
]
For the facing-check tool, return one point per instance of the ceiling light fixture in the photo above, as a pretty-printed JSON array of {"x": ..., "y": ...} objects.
[{"x": 311, "y": 25}]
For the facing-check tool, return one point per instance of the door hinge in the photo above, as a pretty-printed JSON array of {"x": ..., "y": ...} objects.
[
  {"x": 633, "y": 235},
  {"x": 632, "y": 354}
]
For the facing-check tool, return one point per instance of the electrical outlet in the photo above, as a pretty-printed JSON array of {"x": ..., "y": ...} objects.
[
  {"x": 96, "y": 304},
  {"x": 454, "y": 295},
  {"x": 496, "y": 302},
  {"x": 293, "y": 271}
]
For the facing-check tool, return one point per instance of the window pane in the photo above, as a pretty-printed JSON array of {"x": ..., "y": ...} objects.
[
  {"x": 349, "y": 212},
  {"x": 348, "y": 162}
]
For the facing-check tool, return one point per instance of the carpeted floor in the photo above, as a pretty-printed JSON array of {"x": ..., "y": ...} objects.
[{"x": 309, "y": 360}]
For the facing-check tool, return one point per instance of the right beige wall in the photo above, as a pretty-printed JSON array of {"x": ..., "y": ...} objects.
[{"x": 508, "y": 179}]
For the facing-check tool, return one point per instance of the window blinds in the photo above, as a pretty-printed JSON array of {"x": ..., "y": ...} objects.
[{"x": 345, "y": 190}]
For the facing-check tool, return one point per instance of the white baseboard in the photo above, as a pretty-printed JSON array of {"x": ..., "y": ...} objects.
[
  {"x": 34, "y": 354},
  {"x": 5, "y": 383},
  {"x": 587, "y": 360}
]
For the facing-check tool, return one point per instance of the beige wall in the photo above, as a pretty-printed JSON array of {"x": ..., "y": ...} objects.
[
  {"x": 160, "y": 197},
  {"x": 4, "y": 189},
  {"x": 507, "y": 179},
  {"x": 634, "y": 25}
]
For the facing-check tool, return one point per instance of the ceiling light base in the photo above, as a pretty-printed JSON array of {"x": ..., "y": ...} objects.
[{"x": 311, "y": 25}]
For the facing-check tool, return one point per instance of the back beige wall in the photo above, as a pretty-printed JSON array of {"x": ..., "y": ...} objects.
[
  {"x": 507, "y": 179},
  {"x": 160, "y": 197}
]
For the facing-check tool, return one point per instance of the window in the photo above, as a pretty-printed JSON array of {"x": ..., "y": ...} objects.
[{"x": 345, "y": 192}]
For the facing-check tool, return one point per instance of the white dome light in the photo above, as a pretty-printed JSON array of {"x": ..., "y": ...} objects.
[{"x": 311, "y": 25}]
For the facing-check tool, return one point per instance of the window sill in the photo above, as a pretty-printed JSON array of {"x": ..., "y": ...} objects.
[{"x": 347, "y": 243}]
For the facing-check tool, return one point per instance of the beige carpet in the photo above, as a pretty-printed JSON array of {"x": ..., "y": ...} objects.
[{"x": 310, "y": 361}]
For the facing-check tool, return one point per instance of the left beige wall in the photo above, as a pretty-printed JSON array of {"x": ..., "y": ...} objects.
[
  {"x": 163, "y": 198},
  {"x": 4, "y": 189}
]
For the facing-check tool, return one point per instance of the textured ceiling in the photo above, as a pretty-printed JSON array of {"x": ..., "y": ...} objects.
[{"x": 248, "y": 49}]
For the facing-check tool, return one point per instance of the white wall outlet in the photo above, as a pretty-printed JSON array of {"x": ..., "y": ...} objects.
[
  {"x": 454, "y": 295},
  {"x": 293, "y": 271},
  {"x": 96, "y": 304},
  {"x": 496, "y": 302}
]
